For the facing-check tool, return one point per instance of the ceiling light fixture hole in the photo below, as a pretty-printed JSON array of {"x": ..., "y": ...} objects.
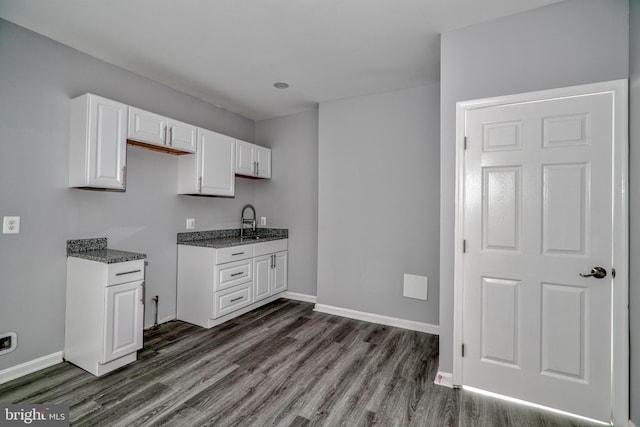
[{"x": 281, "y": 85}]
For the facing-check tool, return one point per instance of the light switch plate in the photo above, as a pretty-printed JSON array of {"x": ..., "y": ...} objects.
[
  {"x": 263, "y": 220},
  {"x": 11, "y": 225},
  {"x": 191, "y": 223}
]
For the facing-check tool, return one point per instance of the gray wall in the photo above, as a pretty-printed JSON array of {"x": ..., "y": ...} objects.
[
  {"x": 378, "y": 202},
  {"x": 634, "y": 193},
  {"x": 38, "y": 77},
  {"x": 290, "y": 198},
  {"x": 565, "y": 44}
]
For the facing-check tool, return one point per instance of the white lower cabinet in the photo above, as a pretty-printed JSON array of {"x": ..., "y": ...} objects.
[
  {"x": 232, "y": 299},
  {"x": 124, "y": 314},
  {"x": 215, "y": 285},
  {"x": 261, "y": 284},
  {"x": 270, "y": 274},
  {"x": 280, "y": 268},
  {"x": 104, "y": 314}
]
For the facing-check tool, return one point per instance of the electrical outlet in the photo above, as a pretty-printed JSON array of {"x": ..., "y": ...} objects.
[
  {"x": 263, "y": 220},
  {"x": 191, "y": 223},
  {"x": 11, "y": 225},
  {"x": 8, "y": 342}
]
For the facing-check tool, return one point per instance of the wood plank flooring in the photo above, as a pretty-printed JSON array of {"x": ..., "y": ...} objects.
[{"x": 280, "y": 365}]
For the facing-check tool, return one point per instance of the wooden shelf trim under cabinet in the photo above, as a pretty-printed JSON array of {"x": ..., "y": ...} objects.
[{"x": 158, "y": 148}]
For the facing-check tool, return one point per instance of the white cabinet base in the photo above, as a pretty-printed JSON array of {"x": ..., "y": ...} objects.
[
  {"x": 220, "y": 320},
  {"x": 104, "y": 314},
  {"x": 216, "y": 285},
  {"x": 99, "y": 369}
]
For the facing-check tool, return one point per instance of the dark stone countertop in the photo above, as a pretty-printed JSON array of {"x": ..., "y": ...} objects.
[
  {"x": 227, "y": 238},
  {"x": 96, "y": 250}
]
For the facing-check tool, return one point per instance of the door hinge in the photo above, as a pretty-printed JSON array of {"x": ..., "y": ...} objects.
[
  {"x": 613, "y": 273},
  {"x": 465, "y": 142},
  {"x": 464, "y": 246},
  {"x": 462, "y": 350}
]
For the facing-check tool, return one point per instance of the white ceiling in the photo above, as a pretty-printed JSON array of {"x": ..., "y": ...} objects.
[{"x": 230, "y": 52}]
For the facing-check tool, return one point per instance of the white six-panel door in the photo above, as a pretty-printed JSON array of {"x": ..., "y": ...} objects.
[{"x": 538, "y": 210}]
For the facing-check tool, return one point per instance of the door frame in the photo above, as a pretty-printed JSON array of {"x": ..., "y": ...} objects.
[{"x": 620, "y": 172}]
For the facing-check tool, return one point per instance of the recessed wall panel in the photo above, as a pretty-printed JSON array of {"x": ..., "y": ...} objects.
[
  {"x": 501, "y": 136},
  {"x": 501, "y": 210},
  {"x": 563, "y": 331},
  {"x": 564, "y": 207},
  {"x": 565, "y": 130},
  {"x": 107, "y": 137},
  {"x": 500, "y": 320}
]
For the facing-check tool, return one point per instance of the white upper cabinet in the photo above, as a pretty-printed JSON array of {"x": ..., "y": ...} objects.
[
  {"x": 252, "y": 160},
  {"x": 154, "y": 129},
  {"x": 244, "y": 158},
  {"x": 211, "y": 171},
  {"x": 263, "y": 161},
  {"x": 182, "y": 136},
  {"x": 98, "y": 146},
  {"x": 147, "y": 127}
]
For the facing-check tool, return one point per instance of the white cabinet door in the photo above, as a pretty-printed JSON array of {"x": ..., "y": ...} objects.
[
  {"x": 262, "y": 156},
  {"x": 280, "y": 272},
  {"x": 155, "y": 129},
  {"x": 109, "y": 143},
  {"x": 262, "y": 279},
  {"x": 182, "y": 136},
  {"x": 124, "y": 309},
  {"x": 216, "y": 159},
  {"x": 253, "y": 160},
  {"x": 244, "y": 158},
  {"x": 98, "y": 146},
  {"x": 147, "y": 127}
]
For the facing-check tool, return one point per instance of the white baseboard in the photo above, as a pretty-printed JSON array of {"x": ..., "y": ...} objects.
[
  {"x": 29, "y": 367},
  {"x": 167, "y": 319},
  {"x": 299, "y": 297},
  {"x": 377, "y": 318},
  {"x": 631, "y": 424},
  {"x": 163, "y": 320},
  {"x": 444, "y": 379}
]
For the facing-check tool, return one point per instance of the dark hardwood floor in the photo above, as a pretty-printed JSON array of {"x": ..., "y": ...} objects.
[{"x": 282, "y": 364}]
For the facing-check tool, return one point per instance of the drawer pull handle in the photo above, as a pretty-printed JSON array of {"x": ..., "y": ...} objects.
[
  {"x": 237, "y": 274},
  {"x": 236, "y": 299},
  {"x": 238, "y": 253},
  {"x": 128, "y": 272}
]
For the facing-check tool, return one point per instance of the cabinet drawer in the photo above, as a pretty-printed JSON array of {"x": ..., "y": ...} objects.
[
  {"x": 234, "y": 253},
  {"x": 123, "y": 272},
  {"x": 233, "y": 273},
  {"x": 270, "y": 247},
  {"x": 232, "y": 299}
]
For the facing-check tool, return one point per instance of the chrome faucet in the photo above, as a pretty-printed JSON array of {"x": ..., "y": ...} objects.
[{"x": 244, "y": 221}]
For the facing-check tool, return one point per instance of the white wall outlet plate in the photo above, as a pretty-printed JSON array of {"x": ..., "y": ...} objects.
[
  {"x": 11, "y": 225},
  {"x": 191, "y": 223},
  {"x": 416, "y": 286},
  {"x": 8, "y": 342},
  {"x": 263, "y": 220}
]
